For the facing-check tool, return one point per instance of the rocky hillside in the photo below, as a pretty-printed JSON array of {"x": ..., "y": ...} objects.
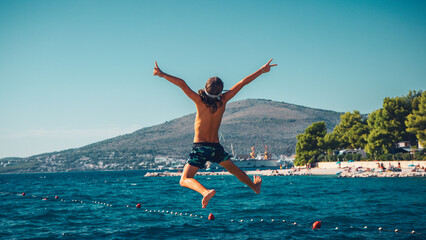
[{"x": 246, "y": 123}]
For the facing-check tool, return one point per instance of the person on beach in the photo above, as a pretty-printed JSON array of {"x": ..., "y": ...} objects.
[{"x": 210, "y": 103}]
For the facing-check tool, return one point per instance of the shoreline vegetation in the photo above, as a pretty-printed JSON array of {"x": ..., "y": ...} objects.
[
  {"x": 346, "y": 169},
  {"x": 394, "y": 132}
]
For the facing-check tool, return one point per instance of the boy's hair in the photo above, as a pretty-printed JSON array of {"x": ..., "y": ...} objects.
[{"x": 214, "y": 86}]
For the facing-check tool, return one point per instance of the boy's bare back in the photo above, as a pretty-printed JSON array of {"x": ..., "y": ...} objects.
[{"x": 207, "y": 124}]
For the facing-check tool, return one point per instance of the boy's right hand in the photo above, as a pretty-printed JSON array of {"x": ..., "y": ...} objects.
[
  {"x": 157, "y": 71},
  {"x": 267, "y": 67}
]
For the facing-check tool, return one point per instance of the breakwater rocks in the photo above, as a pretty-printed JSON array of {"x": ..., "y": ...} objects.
[
  {"x": 304, "y": 172},
  {"x": 178, "y": 174},
  {"x": 256, "y": 172},
  {"x": 382, "y": 174}
]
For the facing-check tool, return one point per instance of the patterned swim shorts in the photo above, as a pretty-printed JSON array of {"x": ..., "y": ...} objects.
[{"x": 203, "y": 152}]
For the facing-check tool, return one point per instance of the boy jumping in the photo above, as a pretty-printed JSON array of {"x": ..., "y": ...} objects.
[{"x": 210, "y": 104}]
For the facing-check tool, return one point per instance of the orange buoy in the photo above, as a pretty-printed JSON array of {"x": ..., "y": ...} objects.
[
  {"x": 316, "y": 225},
  {"x": 23, "y": 194},
  {"x": 138, "y": 205},
  {"x": 211, "y": 216}
]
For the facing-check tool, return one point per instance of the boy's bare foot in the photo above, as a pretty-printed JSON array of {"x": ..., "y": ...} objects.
[
  {"x": 207, "y": 197},
  {"x": 257, "y": 180}
]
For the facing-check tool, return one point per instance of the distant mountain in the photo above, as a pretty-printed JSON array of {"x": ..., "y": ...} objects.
[{"x": 246, "y": 123}]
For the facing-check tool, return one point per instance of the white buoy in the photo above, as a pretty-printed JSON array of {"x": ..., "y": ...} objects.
[
  {"x": 283, "y": 220},
  {"x": 396, "y": 230},
  {"x": 337, "y": 228},
  {"x": 365, "y": 227},
  {"x": 413, "y": 232},
  {"x": 380, "y": 228}
]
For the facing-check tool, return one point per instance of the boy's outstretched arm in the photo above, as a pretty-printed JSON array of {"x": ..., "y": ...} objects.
[
  {"x": 237, "y": 87},
  {"x": 176, "y": 81}
]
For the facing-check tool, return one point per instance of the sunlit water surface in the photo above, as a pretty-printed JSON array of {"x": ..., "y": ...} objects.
[{"x": 101, "y": 212}]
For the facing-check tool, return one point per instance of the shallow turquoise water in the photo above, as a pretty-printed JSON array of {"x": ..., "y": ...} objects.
[{"x": 349, "y": 204}]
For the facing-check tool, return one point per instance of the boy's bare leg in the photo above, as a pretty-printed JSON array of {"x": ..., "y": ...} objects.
[
  {"x": 242, "y": 176},
  {"x": 187, "y": 180}
]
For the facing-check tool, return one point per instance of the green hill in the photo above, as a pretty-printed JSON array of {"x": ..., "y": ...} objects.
[{"x": 246, "y": 123}]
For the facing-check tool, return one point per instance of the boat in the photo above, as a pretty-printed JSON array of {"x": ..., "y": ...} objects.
[{"x": 257, "y": 161}]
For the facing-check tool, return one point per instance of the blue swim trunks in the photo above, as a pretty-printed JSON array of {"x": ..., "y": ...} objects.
[{"x": 203, "y": 152}]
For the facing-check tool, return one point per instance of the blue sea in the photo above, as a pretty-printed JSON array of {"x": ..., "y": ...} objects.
[{"x": 102, "y": 205}]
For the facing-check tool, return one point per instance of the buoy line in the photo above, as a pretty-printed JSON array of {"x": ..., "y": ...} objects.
[{"x": 315, "y": 226}]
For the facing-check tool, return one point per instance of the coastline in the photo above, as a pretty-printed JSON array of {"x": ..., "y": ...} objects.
[{"x": 347, "y": 169}]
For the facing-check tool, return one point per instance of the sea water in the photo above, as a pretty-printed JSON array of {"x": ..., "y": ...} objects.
[{"x": 101, "y": 205}]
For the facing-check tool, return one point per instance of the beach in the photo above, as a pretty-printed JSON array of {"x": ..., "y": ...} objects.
[{"x": 346, "y": 169}]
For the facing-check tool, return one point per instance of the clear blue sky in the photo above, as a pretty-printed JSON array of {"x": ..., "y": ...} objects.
[{"x": 77, "y": 72}]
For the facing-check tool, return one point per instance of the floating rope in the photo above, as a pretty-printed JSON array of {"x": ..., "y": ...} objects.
[{"x": 315, "y": 226}]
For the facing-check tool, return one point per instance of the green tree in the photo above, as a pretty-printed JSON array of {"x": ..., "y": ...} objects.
[
  {"x": 395, "y": 111},
  {"x": 413, "y": 98},
  {"x": 416, "y": 121},
  {"x": 387, "y": 125},
  {"x": 328, "y": 143},
  {"x": 379, "y": 140},
  {"x": 352, "y": 131},
  {"x": 307, "y": 149}
]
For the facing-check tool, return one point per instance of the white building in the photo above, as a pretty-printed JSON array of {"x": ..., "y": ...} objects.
[{"x": 353, "y": 151}]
